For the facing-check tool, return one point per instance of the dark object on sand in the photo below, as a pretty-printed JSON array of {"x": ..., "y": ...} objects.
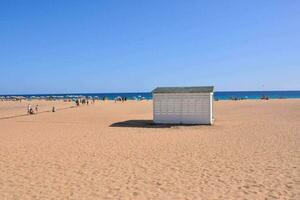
[
  {"x": 36, "y": 108},
  {"x": 264, "y": 97},
  {"x": 31, "y": 111}
]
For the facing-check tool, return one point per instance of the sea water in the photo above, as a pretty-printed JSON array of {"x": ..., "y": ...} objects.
[{"x": 147, "y": 95}]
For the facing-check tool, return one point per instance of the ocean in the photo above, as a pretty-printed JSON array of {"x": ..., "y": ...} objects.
[{"x": 147, "y": 95}]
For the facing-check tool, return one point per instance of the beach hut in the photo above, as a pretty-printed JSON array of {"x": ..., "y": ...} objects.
[{"x": 183, "y": 105}]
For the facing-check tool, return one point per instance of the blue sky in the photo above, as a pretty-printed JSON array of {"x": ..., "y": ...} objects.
[{"x": 133, "y": 46}]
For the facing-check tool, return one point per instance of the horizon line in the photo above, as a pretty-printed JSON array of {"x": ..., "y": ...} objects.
[{"x": 70, "y": 93}]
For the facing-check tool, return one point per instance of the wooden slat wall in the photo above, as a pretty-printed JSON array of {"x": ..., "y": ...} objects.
[{"x": 186, "y": 108}]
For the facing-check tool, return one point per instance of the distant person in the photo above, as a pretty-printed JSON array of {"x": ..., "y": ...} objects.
[
  {"x": 28, "y": 108},
  {"x": 77, "y": 102},
  {"x": 53, "y": 109},
  {"x": 87, "y": 102},
  {"x": 36, "y": 108}
]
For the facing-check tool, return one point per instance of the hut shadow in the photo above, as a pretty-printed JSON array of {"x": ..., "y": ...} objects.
[{"x": 146, "y": 124}]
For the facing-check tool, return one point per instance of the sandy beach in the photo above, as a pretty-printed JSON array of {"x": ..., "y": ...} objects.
[{"x": 112, "y": 151}]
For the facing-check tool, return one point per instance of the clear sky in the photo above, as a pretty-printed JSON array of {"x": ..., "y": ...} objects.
[{"x": 65, "y": 46}]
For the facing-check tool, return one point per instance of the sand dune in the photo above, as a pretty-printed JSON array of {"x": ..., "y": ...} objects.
[{"x": 112, "y": 151}]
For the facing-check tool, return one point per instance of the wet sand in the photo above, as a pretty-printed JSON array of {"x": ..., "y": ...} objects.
[{"x": 112, "y": 151}]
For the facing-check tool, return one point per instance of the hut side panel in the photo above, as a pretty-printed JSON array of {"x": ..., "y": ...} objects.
[{"x": 187, "y": 108}]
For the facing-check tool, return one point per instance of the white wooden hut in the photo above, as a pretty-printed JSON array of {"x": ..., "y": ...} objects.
[{"x": 183, "y": 105}]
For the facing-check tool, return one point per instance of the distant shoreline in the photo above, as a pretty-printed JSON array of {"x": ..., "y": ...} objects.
[
  {"x": 218, "y": 95},
  {"x": 93, "y": 93}
]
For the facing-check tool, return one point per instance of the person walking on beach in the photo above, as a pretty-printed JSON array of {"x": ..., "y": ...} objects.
[
  {"x": 36, "y": 108},
  {"x": 28, "y": 108},
  {"x": 53, "y": 109}
]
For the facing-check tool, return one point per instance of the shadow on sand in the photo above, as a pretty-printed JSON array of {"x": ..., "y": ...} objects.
[{"x": 145, "y": 124}]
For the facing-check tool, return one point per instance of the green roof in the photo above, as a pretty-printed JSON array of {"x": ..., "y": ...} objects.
[{"x": 200, "y": 89}]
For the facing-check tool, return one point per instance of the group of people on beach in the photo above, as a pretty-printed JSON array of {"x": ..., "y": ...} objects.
[
  {"x": 84, "y": 101},
  {"x": 30, "y": 110},
  {"x": 122, "y": 99}
]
